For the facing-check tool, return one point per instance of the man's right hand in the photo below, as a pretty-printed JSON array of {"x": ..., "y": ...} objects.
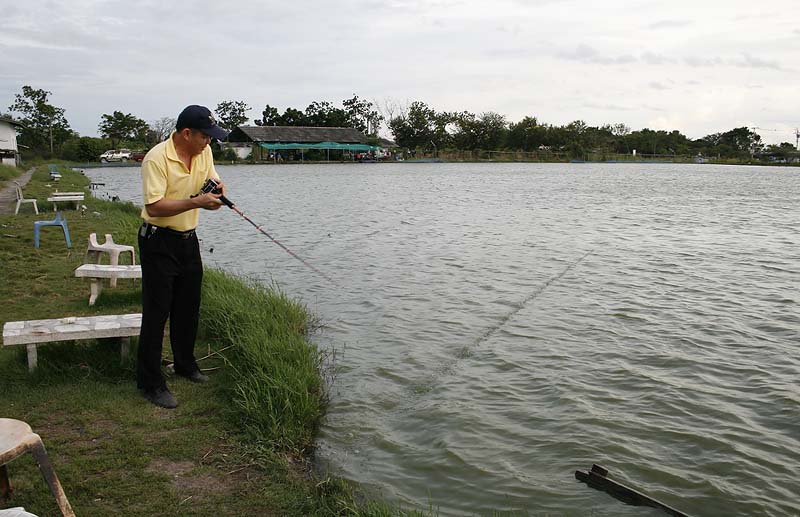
[
  {"x": 169, "y": 207},
  {"x": 208, "y": 201}
]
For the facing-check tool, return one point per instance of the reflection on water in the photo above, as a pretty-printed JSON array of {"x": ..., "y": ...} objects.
[{"x": 502, "y": 325}]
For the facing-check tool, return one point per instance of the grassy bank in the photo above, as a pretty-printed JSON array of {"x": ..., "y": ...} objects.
[
  {"x": 8, "y": 173},
  {"x": 236, "y": 446}
]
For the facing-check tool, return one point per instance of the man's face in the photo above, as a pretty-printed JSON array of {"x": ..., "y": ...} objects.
[{"x": 196, "y": 140}]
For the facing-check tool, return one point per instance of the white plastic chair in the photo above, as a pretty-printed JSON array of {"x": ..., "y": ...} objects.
[
  {"x": 21, "y": 200},
  {"x": 114, "y": 250}
]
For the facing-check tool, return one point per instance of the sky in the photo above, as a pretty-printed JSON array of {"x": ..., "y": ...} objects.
[{"x": 699, "y": 67}]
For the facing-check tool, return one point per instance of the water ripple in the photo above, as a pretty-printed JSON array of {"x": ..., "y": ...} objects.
[{"x": 478, "y": 369}]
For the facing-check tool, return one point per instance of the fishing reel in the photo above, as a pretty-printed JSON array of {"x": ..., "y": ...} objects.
[{"x": 211, "y": 186}]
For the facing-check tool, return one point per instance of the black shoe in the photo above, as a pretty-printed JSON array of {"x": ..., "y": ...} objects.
[
  {"x": 161, "y": 397},
  {"x": 196, "y": 377}
]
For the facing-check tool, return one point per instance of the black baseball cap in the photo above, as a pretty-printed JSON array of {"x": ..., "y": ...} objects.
[{"x": 201, "y": 119}]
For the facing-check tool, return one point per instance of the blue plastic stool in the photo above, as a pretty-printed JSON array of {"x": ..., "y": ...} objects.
[{"x": 58, "y": 221}]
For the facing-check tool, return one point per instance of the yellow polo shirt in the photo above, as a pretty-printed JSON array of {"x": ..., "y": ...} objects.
[{"x": 164, "y": 176}]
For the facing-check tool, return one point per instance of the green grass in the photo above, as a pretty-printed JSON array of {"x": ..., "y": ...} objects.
[
  {"x": 8, "y": 173},
  {"x": 237, "y": 446}
]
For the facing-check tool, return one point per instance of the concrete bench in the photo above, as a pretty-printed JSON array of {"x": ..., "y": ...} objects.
[
  {"x": 35, "y": 332},
  {"x": 97, "y": 272},
  {"x": 60, "y": 197}
]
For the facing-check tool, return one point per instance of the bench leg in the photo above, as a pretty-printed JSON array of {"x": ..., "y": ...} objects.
[
  {"x": 32, "y": 358},
  {"x": 96, "y": 287},
  {"x": 124, "y": 348},
  {"x": 5, "y": 484}
]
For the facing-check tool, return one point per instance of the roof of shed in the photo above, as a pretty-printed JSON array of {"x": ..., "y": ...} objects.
[
  {"x": 296, "y": 134},
  {"x": 11, "y": 121}
]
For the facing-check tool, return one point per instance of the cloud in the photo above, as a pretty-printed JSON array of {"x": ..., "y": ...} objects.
[
  {"x": 746, "y": 61},
  {"x": 704, "y": 62},
  {"x": 669, "y": 24},
  {"x": 656, "y": 59},
  {"x": 749, "y": 61},
  {"x": 586, "y": 54},
  {"x": 658, "y": 86},
  {"x": 607, "y": 107}
]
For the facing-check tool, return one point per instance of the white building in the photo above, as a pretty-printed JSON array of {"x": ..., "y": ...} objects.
[{"x": 9, "y": 154}]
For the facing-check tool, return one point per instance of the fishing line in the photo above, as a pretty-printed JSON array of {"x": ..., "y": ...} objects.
[
  {"x": 465, "y": 351},
  {"x": 420, "y": 389},
  {"x": 213, "y": 187},
  {"x": 521, "y": 305}
]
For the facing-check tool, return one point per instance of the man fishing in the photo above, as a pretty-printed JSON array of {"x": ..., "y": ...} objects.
[{"x": 173, "y": 173}]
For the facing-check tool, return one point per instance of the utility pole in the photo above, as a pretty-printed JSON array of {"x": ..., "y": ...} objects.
[{"x": 797, "y": 139}]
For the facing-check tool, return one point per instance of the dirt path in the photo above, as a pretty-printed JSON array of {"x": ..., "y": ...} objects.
[{"x": 8, "y": 195}]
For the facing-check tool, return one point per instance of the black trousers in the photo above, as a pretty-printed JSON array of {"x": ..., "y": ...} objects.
[{"x": 172, "y": 275}]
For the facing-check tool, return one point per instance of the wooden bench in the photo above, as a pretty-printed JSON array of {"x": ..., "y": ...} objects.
[
  {"x": 35, "y": 332},
  {"x": 60, "y": 197},
  {"x": 97, "y": 272}
]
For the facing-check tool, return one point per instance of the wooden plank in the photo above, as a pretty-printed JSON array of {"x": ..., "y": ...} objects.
[{"x": 596, "y": 478}]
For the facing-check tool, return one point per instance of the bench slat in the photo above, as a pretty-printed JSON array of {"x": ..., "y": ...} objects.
[
  {"x": 68, "y": 329},
  {"x": 66, "y": 198},
  {"x": 108, "y": 271}
]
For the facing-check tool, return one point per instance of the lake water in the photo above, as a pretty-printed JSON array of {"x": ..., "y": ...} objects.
[{"x": 499, "y": 326}]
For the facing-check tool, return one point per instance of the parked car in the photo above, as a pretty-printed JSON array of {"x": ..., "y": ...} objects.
[
  {"x": 138, "y": 156},
  {"x": 116, "y": 155}
]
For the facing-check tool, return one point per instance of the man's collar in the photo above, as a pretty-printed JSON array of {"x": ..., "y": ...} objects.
[{"x": 172, "y": 153}]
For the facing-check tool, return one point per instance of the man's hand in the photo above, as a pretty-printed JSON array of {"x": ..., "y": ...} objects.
[
  {"x": 208, "y": 201},
  {"x": 169, "y": 207},
  {"x": 216, "y": 203},
  {"x": 221, "y": 186}
]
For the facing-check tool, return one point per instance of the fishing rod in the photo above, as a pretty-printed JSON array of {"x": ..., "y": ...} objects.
[{"x": 212, "y": 186}]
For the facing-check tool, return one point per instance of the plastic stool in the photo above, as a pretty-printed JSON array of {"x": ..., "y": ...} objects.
[
  {"x": 58, "y": 221},
  {"x": 113, "y": 249},
  {"x": 17, "y": 438}
]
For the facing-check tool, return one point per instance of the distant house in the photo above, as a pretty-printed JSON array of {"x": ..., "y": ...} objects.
[
  {"x": 9, "y": 153},
  {"x": 266, "y": 142}
]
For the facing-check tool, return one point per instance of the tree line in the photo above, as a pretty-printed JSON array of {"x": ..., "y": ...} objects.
[
  {"x": 47, "y": 133},
  {"x": 420, "y": 126}
]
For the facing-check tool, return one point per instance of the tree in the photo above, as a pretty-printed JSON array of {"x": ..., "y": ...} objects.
[
  {"x": 293, "y": 117},
  {"x": 161, "y": 129},
  {"x": 119, "y": 126},
  {"x": 783, "y": 152},
  {"x": 83, "y": 148},
  {"x": 736, "y": 143},
  {"x": 414, "y": 127},
  {"x": 362, "y": 115},
  {"x": 325, "y": 114},
  {"x": 232, "y": 113},
  {"x": 45, "y": 127},
  {"x": 526, "y": 135},
  {"x": 269, "y": 117}
]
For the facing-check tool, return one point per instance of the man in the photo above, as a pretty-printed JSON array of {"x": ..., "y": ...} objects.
[{"x": 173, "y": 172}]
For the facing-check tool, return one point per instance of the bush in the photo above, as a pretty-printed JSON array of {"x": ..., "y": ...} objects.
[{"x": 84, "y": 149}]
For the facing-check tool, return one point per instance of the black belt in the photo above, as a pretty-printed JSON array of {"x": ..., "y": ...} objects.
[{"x": 148, "y": 228}]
